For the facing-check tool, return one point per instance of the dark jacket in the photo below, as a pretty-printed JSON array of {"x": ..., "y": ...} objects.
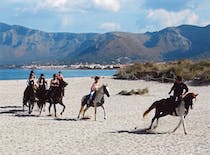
[{"x": 178, "y": 89}]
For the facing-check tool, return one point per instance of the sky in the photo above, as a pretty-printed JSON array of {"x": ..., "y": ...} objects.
[{"x": 100, "y": 16}]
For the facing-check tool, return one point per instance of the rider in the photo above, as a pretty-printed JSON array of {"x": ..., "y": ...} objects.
[
  {"x": 60, "y": 78},
  {"x": 31, "y": 80},
  {"x": 54, "y": 83},
  {"x": 31, "y": 85},
  {"x": 178, "y": 89},
  {"x": 42, "y": 82},
  {"x": 95, "y": 86}
]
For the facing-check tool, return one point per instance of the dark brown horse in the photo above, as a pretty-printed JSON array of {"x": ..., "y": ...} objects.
[
  {"x": 29, "y": 98},
  {"x": 170, "y": 107},
  {"x": 53, "y": 97},
  {"x": 97, "y": 101}
]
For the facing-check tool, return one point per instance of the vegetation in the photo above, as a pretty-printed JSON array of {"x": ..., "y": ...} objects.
[
  {"x": 134, "y": 92},
  {"x": 196, "y": 73}
]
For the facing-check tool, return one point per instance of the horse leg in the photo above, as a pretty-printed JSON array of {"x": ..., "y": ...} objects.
[
  {"x": 177, "y": 125},
  {"x": 29, "y": 107},
  {"x": 156, "y": 125},
  {"x": 64, "y": 107},
  {"x": 32, "y": 106},
  {"x": 50, "y": 108},
  {"x": 95, "y": 108},
  {"x": 82, "y": 107},
  {"x": 158, "y": 115},
  {"x": 86, "y": 108},
  {"x": 104, "y": 111},
  {"x": 55, "y": 109},
  {"x": 183, "y": 123},
  {"x": 40, "y": 106},
  {"x": 153, "y": 119},
  {"x": 43, "y": 106}
]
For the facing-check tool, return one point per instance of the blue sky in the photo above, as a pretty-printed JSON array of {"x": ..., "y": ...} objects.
[{"x": 101, "y": 16}]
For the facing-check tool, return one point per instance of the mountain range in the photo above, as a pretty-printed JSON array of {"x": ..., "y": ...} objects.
[{"x": 20, "y": 45}]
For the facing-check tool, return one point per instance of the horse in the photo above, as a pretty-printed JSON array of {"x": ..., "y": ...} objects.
[
  {"x": 52, "y": 98},
  {"x": 29, "y": 97},
  {"x": 97, "y": 101},
  {"x": 168, "y": 106}
]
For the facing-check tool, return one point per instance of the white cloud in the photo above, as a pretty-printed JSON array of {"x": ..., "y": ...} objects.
[
  {"x": 65, "y": 5},
  {"x": 112, "y": 5},
  {"x": 167, "y": 18},
  {"x": 109, "y": 26}
]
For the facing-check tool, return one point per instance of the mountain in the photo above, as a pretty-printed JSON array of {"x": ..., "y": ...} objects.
[{"x": 21, "y": 45}]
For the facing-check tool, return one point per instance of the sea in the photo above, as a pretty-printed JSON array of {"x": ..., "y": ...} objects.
[{"x": 20, "y": 74}]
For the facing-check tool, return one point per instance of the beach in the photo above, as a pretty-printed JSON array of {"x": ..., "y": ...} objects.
[{"x": 121, "y": 133}]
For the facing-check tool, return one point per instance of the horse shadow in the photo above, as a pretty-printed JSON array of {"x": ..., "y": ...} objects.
[
  {"x": 145, "y": 131},
  {"x": 16, "y": 111},
  {"x": 70, "y": 119},
  {"x": 10, "y": 109}
]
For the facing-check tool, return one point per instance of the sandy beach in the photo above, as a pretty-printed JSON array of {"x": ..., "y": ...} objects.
[{"x": 21, "y": 133}]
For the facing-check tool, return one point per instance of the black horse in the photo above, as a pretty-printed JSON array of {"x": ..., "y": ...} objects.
[
  {"x": 97, "y": 101},
  {"x": 52, "y": 96},
  {"x": 29, "y": 98},
  {"x": 170, "y": 107}
]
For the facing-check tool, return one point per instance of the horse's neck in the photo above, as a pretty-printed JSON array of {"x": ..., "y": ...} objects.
[{"x": 99, "y": 95}]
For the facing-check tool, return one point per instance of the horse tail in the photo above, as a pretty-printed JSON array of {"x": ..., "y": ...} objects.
[{"x": 150, "y": 108}]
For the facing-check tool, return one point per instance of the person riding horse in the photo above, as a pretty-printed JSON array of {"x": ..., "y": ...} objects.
[
  {"x": 62, "y": 82},
  {"x": 54, "y": 84},
  {"x": 31, "y": 86},
  {"x": 42, "y": 83},
  {"x": 95, "y": 86},
  {"x": 178, "y": 88}
]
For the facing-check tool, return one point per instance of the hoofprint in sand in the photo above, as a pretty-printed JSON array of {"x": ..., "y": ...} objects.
[{"x": 21, "y": 133}]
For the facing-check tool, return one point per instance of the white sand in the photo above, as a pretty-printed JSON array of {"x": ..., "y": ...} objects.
[{"x": 21, "y": 134}]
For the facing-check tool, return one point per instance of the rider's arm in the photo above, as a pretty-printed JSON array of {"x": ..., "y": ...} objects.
[
  {"x": 172, "y": 88},
  {"x": 93, "y": 87},
  {"x": 185, "y": 88}
]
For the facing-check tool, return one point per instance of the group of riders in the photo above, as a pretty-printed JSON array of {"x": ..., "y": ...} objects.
[
  {"x": 179, "y": 88},
  {"x": 39, "y": 85}
]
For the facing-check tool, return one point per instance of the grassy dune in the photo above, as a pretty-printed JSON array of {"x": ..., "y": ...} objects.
[{"x": 197, "y": 73}]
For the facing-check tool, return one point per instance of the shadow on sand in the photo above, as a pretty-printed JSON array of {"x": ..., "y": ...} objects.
[
  {"x": 16, "y": 111},
  {"x": 70, "y": 119},
  {"x": 144, "y": 131},
  {"x": 10, "y": 109}
]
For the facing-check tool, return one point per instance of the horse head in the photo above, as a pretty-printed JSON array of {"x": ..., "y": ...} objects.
[
  {"x": 189, "y": 99},
  {"x": 106, "y": 90}
]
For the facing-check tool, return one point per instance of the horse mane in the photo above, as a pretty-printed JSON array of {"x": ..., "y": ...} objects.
[{"x": 191, "y": 94}]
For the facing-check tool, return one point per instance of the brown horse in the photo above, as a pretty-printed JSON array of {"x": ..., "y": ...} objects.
[
  {"x": 29, "y": 98},
  {"x": 52, "y": 99},
  {"x": 97, "y": 101},
  {"x": 170, "y": 107}
]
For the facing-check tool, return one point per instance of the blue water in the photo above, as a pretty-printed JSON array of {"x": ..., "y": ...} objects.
[{"x": 15, "y": 74}]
